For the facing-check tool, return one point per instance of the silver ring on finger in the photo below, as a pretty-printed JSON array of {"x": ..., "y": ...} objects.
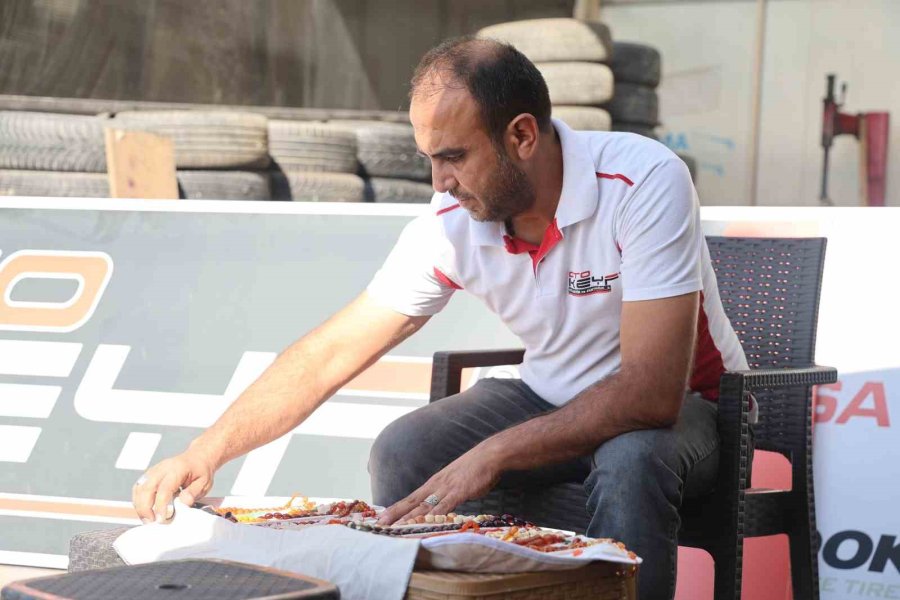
[{"x": 431, "y": 500}]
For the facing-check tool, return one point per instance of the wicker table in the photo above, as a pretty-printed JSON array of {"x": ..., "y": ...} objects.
[{"x": 598, "y": 581}]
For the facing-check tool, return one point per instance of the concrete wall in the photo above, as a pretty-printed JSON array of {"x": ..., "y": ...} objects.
[{"x": 706, "y": 94}]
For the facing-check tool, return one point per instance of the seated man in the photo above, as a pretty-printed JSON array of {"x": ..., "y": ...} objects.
[{"x": 588, "y": 246}]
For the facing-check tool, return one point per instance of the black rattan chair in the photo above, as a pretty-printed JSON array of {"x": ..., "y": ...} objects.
[{"x": 770, "y": 289}]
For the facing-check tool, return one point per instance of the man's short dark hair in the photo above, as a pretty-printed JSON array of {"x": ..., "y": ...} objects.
[{"x": 503, "y": 82}]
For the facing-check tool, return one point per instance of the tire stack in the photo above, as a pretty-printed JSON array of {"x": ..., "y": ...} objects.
[
  {"x": 572, "y": 56},
  {"x": 317, "y": 162},
  {"x": 594, "y": 83},
  {"x": 637, "y": 69},
  {"x": 389, "y": 162},
  {"x": 218, "y": 154},
  {"x": 635, "y": 105},
  {"x": 61, "y": 155},
  {"x": 52, "y": 155}
]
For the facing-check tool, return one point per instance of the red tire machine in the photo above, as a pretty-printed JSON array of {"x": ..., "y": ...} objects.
[{"x": 872, "y": 130}]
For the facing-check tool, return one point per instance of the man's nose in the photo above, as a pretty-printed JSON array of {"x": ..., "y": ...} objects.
[{"x": 442, "y": 179}]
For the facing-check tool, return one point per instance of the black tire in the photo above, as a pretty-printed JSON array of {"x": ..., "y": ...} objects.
[
  {"x": 205, "y": 139},
  {"x": 196, "y": 185},
  {"x": 585, "y": 118},
  {"x": 634, "y": 104},
  {"x": 312, "y": 146},
  {"x": 325, "y": 187},
  {"x": 638, "y": 128},
  {"x": 545, "y": 40},
  {"x": 636, "y": 63},
  {"x": 23, "y": 127},
  {"x": 53, "y": 184},
  {"x": 383, "y": 189},
  {"x": 53, "y": 157},
  {"x": 577, "y": 82},
  {"x": 224, "y": 185},
  {"x": 387, "y": 150}
]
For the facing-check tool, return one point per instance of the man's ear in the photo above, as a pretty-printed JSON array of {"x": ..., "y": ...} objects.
[{"x": 522, "y": 135}]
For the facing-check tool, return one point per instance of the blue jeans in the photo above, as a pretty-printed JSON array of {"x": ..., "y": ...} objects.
[{"x": 634, "y": 482}]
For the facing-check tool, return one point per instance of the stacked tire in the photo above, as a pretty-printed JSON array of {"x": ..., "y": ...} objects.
[
  {"x": 573, "y": 56},
  {"x": 62, "y": 155},
  {"x": 635, "y": 105},
  {"x": 389, "y": 162},
  {"x": 192, "y": 185},
  {"x": 52, "y": 155},
  {"x": 220, "y": 155},
  {"x": 637, "y": 69},
  {"x": 594, "y": 83},
  {"x": 316, "y": 162}
]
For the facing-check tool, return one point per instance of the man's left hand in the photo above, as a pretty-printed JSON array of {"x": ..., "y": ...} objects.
[{"x": 472, "y": 475}]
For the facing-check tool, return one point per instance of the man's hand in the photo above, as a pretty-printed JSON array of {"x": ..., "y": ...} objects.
[
  {"x": 189, "y": 473},
  {"x": 472, "y": 475},
  {"x": 303, "y": 376}
]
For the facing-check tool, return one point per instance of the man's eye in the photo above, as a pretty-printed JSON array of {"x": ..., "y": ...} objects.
[{"x": 454, "y": 158}]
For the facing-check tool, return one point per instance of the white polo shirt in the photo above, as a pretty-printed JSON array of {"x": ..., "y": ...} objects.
[{"x": 627, "y": 228}]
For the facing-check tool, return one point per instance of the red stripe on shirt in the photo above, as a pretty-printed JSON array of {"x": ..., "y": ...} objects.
[
  {"x": 446, "y": 280},
  {"x": 552, "y": 236},
  {"x": 447, "y": 209},
  {"x": 615, "y": 176},
  {"x": 708, "y": 363}
]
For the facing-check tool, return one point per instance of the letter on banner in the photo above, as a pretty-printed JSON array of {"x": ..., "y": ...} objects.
[
  {"x": 91, "y": 270},
  {"x": 97, "y": 400}
]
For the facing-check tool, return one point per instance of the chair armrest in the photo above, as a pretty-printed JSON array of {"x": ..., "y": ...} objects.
[
  {"x": 774, "y": 378},
  {"x": 446, "y": 370},
  {"x": 735, "y": 388},
  {"x": 734, "y": 415}
]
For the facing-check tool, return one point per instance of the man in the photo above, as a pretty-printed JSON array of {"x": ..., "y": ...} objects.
[{"x": 588, "y": 246}]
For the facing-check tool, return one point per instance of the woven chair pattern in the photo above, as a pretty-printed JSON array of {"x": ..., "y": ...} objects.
[
  {"x": 94, "y": 550},
  {"x": 189, "y": 579},
  {"x": 770, "y": 292}
]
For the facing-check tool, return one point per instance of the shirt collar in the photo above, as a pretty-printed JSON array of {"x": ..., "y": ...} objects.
[{"x": 578, "y": 199}]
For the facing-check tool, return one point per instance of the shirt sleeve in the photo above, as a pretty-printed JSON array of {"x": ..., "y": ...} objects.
[
  {"x": 658, "y": 232},
  {"x": 416, "y": 278}
]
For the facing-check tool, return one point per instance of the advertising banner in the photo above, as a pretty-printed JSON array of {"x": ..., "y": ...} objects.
[{"x": 126, "y": 327}]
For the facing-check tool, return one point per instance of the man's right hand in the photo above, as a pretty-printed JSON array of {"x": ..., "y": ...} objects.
[
  {"x": 301, "y": 378},
  {"x": 188, "y": 475}
]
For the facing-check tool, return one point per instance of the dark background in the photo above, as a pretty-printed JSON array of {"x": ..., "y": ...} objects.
[{"x": 306, "y": 53}]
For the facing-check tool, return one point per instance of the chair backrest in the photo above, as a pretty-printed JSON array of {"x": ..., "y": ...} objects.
[{"x": 770, "y": 291}]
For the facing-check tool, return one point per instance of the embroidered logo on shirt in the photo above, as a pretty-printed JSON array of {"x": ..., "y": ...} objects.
[{"x": 582, "y": 283}]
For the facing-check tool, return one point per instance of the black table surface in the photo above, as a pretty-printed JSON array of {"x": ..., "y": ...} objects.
[{"x": 191, "y": 579}]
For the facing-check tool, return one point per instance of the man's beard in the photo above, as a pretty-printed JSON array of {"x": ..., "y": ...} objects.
[{"x": 509, "y": 193}]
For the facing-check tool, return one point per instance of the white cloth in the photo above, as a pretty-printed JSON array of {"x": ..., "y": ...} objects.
[
  {"x": 627, "y": 228},
  {"x": 482, "y": 554},
  {"x": 360, "y": 564}
]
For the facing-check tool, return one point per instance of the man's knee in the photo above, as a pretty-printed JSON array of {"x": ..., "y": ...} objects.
[
  {"x": 391, "y": 468},
  {"x": 640, "y": 448},
  {"x": 405, "y": 454},
  {"x": 636, "y": 460},
  {"x": 395, "y": 445}
]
